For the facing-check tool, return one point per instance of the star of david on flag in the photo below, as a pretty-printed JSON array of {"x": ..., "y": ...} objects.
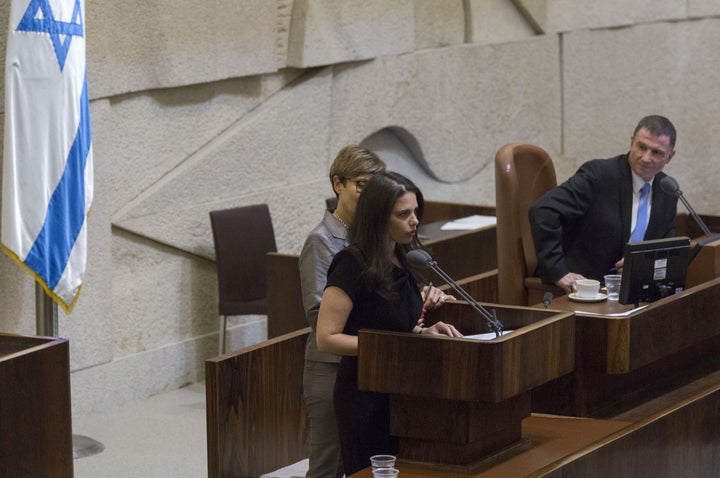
[{"x": 47, "y": 184}]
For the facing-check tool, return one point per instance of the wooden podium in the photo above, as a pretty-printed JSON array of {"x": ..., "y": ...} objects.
[
  {"x": 456, "y": 401},
  {"x": 35, "y": 418},
  {"x": 651, "y": 376},
  {"x": 627, "y": 356}
]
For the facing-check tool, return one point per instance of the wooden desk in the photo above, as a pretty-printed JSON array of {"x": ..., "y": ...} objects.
[
  {"x": 624, "y": 360},
  {"x": 35, "y": 418},
  {"x": 547, "y": 440},
  {"x": 461, "y": 253},
  {"x": 685, "y": 224},
  {"x": 679, "y": 438},
  {"x": 256, "y": 423}
]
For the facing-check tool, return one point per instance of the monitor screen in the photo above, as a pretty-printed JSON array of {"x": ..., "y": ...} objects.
[{"x": 654, "y": 269}]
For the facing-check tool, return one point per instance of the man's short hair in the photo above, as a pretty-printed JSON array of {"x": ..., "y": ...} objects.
[{"x": 658, "y": 126}]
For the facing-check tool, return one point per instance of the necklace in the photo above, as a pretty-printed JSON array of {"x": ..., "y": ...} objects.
[{"x": 337, "y": 216}]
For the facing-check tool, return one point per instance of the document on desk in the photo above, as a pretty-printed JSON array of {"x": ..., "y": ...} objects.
[
  {"x": 616, "y": 314},
  {"x": 487, "y": 336},
  {"x": 470, "y": 222}
]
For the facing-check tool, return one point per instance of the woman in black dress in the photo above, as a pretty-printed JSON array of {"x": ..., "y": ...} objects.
[{"x": 369, "y": 286}]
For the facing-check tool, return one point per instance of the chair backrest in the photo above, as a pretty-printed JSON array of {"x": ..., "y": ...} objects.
[
  {"x": 523, "y": 173},
  {"x": 242, "y": 237},
  {"x": 331, "y": 203}
]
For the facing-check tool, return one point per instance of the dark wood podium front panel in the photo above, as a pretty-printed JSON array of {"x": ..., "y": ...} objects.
[
  {"x": 472, "y": 394},
  {"x": 540, "y": 349},
  {"x": 255, "y": 410},
  {"x": 625, "y": 359},
  {"x": 35, "y": 414}
]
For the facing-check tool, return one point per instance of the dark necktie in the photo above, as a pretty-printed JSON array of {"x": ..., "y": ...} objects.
[{"x": 642, "y": 215}]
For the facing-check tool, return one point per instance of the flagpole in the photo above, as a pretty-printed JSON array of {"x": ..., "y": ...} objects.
[
  {"x": 48, "y": 154},
  {"x": 46, "y": 325},
  {"x": 46, "y": 313}
]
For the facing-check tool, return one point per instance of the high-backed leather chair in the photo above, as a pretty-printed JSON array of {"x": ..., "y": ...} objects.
[
  {"x": 523, "y": 173},
  {"x": 242, "y": 237}
]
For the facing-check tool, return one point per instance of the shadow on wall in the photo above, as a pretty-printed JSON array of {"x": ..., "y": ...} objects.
[{"x": 402, "y": 153}]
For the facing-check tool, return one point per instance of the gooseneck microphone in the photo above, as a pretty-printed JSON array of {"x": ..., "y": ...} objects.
[
  {"x": 421, "y": 258},
  {"x": 670, "y": 186}
]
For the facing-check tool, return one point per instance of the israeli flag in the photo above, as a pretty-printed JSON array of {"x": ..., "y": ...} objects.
[{"x": 47, "y": 177}]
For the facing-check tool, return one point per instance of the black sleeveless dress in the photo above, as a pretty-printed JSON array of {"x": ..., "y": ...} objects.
[{"x": 363, "y": 418}]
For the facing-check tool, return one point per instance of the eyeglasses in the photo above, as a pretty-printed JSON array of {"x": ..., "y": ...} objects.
[{"x": 359, "y": 184}]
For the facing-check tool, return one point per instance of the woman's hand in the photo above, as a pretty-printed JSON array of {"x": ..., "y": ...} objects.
[
  {"x": 434, "y": 297},
  {"x": 441, "y": 328}
]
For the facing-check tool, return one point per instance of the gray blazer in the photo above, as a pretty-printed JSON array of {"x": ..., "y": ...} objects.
[{"x": 327, "y": 239}]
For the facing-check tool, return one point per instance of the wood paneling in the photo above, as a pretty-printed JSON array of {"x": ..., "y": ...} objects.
[
  {"x": 35, "y": 415},
  {"x": 685, "y": 225},
  {"x": 679, "y": 437},
  {"x": 461, "y": 253},
  {"x": 705, "y": 266},
  {"x": 286, "y": 312},
  {"x": 255, "y": 411},
  {"x": 481, "y": 287},
  {"x": 472, "y": 395},
  {"x": 623, "y": 360},
  {"x": 542, "y": 348},
  {"x": 683, "y": 440}
]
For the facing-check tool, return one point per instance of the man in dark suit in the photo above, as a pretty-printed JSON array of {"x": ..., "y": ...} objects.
[{"x": 580, "y": 227}]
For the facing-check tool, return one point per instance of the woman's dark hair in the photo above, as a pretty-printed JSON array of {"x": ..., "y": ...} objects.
[{"x": 369, "y": 230}]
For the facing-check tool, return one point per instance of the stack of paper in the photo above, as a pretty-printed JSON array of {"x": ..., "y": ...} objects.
[{"x": 469, "y": 222}]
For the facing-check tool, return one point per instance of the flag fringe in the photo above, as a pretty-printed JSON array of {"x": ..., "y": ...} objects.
[{"x": 67, "y": 308}]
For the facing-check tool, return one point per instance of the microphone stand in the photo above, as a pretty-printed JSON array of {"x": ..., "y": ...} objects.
[
  {"x": 700, "y": 222},
  {"x": 492, "y": 320},
  {"x": 670, "y": 186},
  {"x": 709, "y": 237}
]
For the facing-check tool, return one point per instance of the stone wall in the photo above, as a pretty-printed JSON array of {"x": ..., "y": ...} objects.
[{"x": 199, "y": 106}]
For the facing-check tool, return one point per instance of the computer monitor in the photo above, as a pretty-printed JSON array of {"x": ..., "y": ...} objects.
[{"x": 654, "y": 269}]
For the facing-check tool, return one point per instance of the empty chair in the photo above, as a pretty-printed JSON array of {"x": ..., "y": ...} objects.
[
  {"x": 331, "y": 203},
  {"x": 523, "y": 173},
  {"x": 242, "y": 237}
]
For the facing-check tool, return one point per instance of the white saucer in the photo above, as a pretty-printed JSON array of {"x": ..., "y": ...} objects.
[{"x": 597, "y": 298}]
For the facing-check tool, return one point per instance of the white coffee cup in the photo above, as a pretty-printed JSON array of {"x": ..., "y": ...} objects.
[{"x": 587, "y": 288}]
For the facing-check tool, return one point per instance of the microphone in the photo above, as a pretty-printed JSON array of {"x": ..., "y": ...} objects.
[
  {"x": 547, "y": 298},
  {"x": 670, "y": 186},
  {"x": 420, "y": 258}
]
